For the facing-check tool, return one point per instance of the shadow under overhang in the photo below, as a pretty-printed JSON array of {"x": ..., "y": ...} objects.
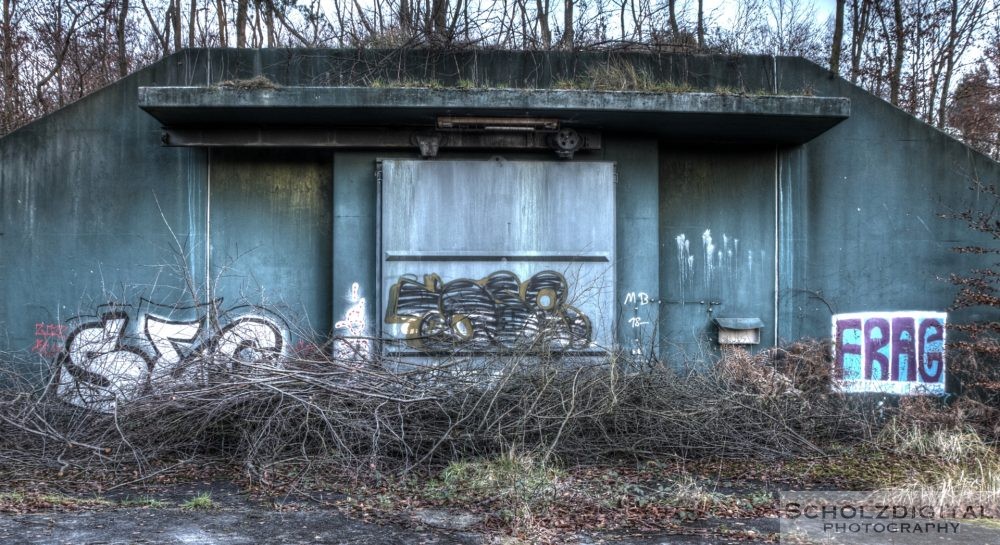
[{"x": 689, "y": 117}]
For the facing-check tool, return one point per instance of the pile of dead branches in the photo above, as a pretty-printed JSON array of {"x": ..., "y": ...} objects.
[{"x": 369, "y": 415}]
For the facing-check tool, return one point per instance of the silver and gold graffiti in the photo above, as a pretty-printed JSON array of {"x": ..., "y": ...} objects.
[{"x": 498, "y": 311}]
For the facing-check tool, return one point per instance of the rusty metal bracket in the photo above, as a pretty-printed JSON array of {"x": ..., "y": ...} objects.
[{"x": 711, "y": 304}]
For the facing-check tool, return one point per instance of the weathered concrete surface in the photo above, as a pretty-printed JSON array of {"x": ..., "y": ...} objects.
[
  {"x": 220, "y": 527},
  {"x": 447, "y": 519},
  {"x": 238, "y": 519},
  {"x": 787, "y": 119},
  {"x": 310, "y": 98},
  {"x": 260, "y": 526}
]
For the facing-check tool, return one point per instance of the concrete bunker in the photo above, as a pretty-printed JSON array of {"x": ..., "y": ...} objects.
[{"x": 410, "y": 219}]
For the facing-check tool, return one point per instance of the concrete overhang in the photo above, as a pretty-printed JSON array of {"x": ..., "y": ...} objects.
[{"x": 674, "y": 116}]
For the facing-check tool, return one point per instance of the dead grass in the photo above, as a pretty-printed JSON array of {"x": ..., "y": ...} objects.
[
  {"x": 364, "y": 419},
  {"x": 616, "y": 75},
  {"x": 953, "y": 445},
  {"x": 29, "y": 502},
  {"x": 514, "y": 437},
  {"x": 256, "y": 83}
]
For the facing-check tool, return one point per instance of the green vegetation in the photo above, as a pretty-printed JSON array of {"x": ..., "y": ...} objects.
[
  {"x": 201, "y": 501},
  {"x": 143, "y": 502}
]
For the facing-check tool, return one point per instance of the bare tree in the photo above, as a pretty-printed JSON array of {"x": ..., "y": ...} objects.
[
  {"x": 964, "y": 22},
  {"x": 672, "y": 11},
  {"x": 241, "y": 23},
  {"x": 192, "y": 19},
  {"x": 175, "y": 23},
  {"x": 542, "y": 16},
  {"x": 10, "y": 66},
  {"x": 899, "y": 33},
  {"x": 162, "y": 38},
  {"x": 838, "y": 37},
  {"x": 861, "y": 13},
  {"x": 568, "y": 21},
  {"x": 975, "y": 110},
  {"x": 701, "y": 24},
  {"x": 909, "y": 51},
  {"x": 120, "y": 31}
]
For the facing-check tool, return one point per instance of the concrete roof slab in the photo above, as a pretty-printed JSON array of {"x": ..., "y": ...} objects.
[{"x": 683, "y": 116}]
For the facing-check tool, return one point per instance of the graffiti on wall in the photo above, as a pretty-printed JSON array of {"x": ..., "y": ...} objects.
[
  {"x": 718, "y": 265},
  {"x": 890, "y": 352},
  {"x": 496, "y": 311},
  {"x": 644, "y": 309},
  {"x": 49, "y": 339},
  {"x": 104, "y": 361},
  {"x": 354, "y": 345}
]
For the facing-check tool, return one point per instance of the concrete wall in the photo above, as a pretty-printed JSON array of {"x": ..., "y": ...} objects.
[
  {"x": 717, "y": 237},
  {"x": 271, "y": 233},
  {"x": 94, "y": 209},
  {"x": 860, "y": 218}
]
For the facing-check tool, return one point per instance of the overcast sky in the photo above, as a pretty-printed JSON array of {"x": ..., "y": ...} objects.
[
  {"x": 718, "y": 13},
  {"x": 724, "y": 9}
]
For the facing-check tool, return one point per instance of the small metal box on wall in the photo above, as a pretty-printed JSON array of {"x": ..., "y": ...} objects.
[{"x": 739, "y": 331}]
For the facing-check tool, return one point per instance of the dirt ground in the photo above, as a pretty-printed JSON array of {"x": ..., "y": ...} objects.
[
  {"x": 236, "y": 519},
  {"x": 254, "y": 526},
  {"x": 163, "y": 515}
]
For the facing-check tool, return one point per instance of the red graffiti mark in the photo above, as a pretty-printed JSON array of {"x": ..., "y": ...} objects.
[
  {"x": 49, "y": 339},
  {"x": 50, "y": 330},
  {"x": 46, "y": 348},
  {"x": 307, "y": 350}
]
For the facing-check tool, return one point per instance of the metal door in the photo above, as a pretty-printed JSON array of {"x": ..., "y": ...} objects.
[{"x": 480, "y": 256}]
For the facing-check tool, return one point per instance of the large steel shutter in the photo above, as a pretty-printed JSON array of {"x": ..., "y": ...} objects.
[{"x": 479, "y": 256}]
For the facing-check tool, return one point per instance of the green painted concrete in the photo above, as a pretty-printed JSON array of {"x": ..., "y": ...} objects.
[
  {"x": 637, "y": 267},
  {"x": 861, "y": 219},
  {"x": 94, "y": 209},
  {"x": 355, "y": 232},
  {"x": 718, "y": 204},
  {"x": 271, "y": 233}
]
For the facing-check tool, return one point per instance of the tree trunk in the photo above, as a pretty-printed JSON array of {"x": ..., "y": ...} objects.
[
  {"x": 192, "y": 20},
  {"x": 405, "y": 22},
  {"x": 11, "y": 108},
  {"x": 167, "y": 28},
  {"x": 523, "y": 5},
  {"x": 272, "y": 39},
  {"x": 897, "y": 60},
  {"x": 284, "y": 22},
  {"x": 860, "y": 20},
  {"x": 838, "y": 38},
  {"x": 176, "y": 20},
  {"x": 949, "y": 63},
  {"x": 163, "y": 40},
  {"x": 220, "y": 13},
  {"x": 542, "y": 15},
  {"x": 672, "y": 15},
  {"x": 568, "y": 22},
  {"x": 120, "y": 39},
  {"x": 701, "y": 24},
  {"x": 440, "y": 21},
  {"x": 241, "y": 23}
]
